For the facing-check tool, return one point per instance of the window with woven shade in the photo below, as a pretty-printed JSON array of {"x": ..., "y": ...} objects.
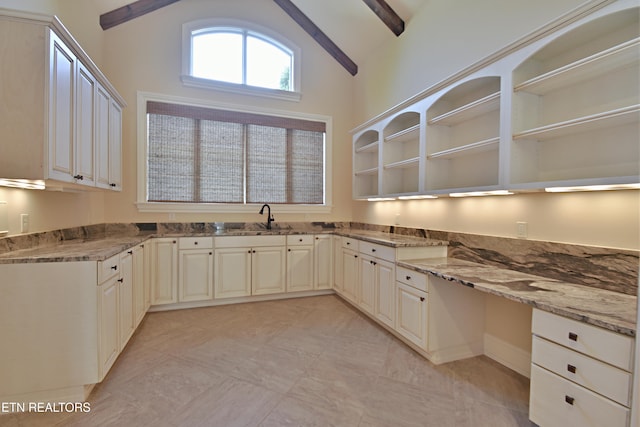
[{"x": 205, "y": 155}]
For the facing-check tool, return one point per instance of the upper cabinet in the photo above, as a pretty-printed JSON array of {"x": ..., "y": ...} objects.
[
  {"x": 60, "y": 117},
  {"x": 576, "y": 107},
  {"x": 558, "y": 109}
]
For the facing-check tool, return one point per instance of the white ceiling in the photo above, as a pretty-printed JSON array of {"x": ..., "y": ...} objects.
[{"x": 337, "y": 19}]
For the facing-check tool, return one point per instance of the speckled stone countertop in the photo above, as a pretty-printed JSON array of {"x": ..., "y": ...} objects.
[
  {"x": 611, "y": 310},
  {"x": 99, "y": 249}
]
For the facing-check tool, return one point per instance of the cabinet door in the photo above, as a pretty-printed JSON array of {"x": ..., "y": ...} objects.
[
  {"x": 350, "y": 276},
  {"x": 109, "y": 342},
  {"x": 196, "y": 275},
  {"x": 102, "y": 137},
  {"x": 268, "y": 274},
  {"x": 412, "y": 313},
  {"x": 337, "y": 263},
  {"x": 368, "y": 273},
  {"x": 323, "y": 264},
  {"x": 232, "y": 272},
  {"x": 115, "y": 146},
  {"x": 300, "y": 268},
  {"x": 61, "y": 109},
  {"x": 386, "y": 293},
  {"x": 84, "y": 171},
  {"x": 125, "y": 293},
  {"x": 139, "y": 297},
  {"x": 164, "y": 278}
]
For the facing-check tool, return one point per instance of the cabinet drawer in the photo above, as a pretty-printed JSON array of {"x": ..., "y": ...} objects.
[
  {"x": 349, "y": 243},
  {"x": 108, "y": 268},
  {"x": 412, "y": 278},
  {"x": 602, "y": 344},
  {"x": 299, "y": 239},
  {"x": 597, "y": 376},
  {"x": 378, "y": 251},
  {"x": 195, "y": 243},
  {"x": 555, "y": 401}
]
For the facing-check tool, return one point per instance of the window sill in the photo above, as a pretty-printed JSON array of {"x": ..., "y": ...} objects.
[
  {"x": 199, "y": 83},
  {"x": 228, "y": 208}
]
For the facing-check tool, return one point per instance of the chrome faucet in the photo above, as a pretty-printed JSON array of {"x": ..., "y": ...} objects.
[{"x": 269, "y": 217}]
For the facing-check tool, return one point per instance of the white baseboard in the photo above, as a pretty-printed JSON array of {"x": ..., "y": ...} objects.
[{"x": 508, "y": 355}]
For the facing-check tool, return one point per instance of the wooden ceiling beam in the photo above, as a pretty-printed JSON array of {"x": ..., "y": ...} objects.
[
  {"x": 317, "y": 34},
  {"x": 131, "y": 11},
  {"x": 387, "y": 15}
]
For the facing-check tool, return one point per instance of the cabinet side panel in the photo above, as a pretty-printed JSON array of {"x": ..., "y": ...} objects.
[
  {"x": 48, "y": 325},
  {"x": 22, "y": 92}
]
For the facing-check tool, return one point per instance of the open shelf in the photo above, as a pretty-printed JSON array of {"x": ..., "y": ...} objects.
[
  {"x": 475, "y": 147},
  {"x": 365, "y": 172},
  {"x": 404, "y": 135},
  {"x": 369, "y": 148},
  {"x": 622, "y": 55},
  {"x": 403, "y": 164},
  {"x": 618, "y": 117},
  {"x": 476, "y": 108}
]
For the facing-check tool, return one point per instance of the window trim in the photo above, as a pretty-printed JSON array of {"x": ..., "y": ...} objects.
[
  {"x": 144, "y": 206},
  {"x": 200, "y": 83}
]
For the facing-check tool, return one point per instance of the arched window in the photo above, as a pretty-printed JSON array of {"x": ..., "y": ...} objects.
[{"x": 238, "y": 56}]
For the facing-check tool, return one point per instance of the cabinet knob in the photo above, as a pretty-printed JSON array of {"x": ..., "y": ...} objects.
[
  {"x": 355, "y": 256},
  {"x": 79, "y": 177},
  {"x": 253, "y": 251},
  {"x": 142, "y": 246},
  {"x": 195, "y": 243},
  {"x": 569, "y": 399},
  {"x": 114, "y": 267},
  {"x": 174, "y": 241},
  {"x": 300, "y": 240},
  {"x": 130, "y": 252},
  {"x": 289, "y": 250},
  {"x": 317, "y": 238},
  {"x": 348, "y": 243},
  {"x": 112, "y": 185},
  {"x": 407, "y": 277},
  {"x": 210, "y": 253},
  {"x": 573, "y": 336},
  {"x": 121, "y": 280},
  {"x": 373, "y": 250},
  {"x": 422, "y": 299}
]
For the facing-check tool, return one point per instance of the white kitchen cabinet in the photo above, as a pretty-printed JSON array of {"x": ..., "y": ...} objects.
[
  {"x": 108, "y": 141},
  {"x": 126, "y": 296},
  {"x": 50, "y": 125},
  {"x": 323, "y": 261},
  {"x": 300, "y": 263},
  {"x": 350, "y": 274},
  {"x": 401, "y": 154},
  {"x": 86, "y": 87},
  {"x": 195, "y": 269},
  {"x": 108, "y": 324},
  {"x": 115, "y": 145},
  {"x": 140, "y": 280},
  {"x": 385, "y": 305},
  {"x": 164, "y": 271},
  {"x": 412, "y": 314},
  {"x": 581, "y": 375},
  {"x": 368, "y": 279},
  {"x": 366, "y": 167},
  {"x": 249, "y": 265},
  {"x": 337, "y": 264}
]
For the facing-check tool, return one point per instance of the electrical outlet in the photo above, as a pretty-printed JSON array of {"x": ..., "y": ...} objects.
[
  {"x": 521, "y": 230},
  {"x": 397, "y": 219},
  {"x": 24, "y": 223}
]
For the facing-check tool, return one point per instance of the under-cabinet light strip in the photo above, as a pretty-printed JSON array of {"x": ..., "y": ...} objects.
[
  {"x": 23, "y": 183},
  {"x": 482, "y": 193},
  {"x": 593, "y": 188}
]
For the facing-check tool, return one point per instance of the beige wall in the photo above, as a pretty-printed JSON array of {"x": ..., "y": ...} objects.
[{"x": 442, "y": 39}]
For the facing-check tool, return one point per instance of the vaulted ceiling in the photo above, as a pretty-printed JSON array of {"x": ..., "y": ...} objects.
[{"x": 330, "y": 22}]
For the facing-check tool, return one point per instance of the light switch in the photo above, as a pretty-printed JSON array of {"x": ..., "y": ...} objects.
[
  {"x": 521, "y": 230},
  {"x": 24, "y": 223}
]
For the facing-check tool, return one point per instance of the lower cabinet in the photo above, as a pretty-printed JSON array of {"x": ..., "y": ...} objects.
[
  {"x": 412, "y": 314},
  {"x": 108, "y": 325},
  {"x": 581, "y": 375},
  {"x": 300, "y": 263},
  {"x": 368, "y": 279},
  {"x": 195, "y": 269},
  {"x": 164, "y": 271},
  {"x": 249, "y": 265},
  {"x": 323, "y": 261},
  {"x": 350, "y": 274}
]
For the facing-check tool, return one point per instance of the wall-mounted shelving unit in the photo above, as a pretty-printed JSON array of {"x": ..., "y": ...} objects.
[
  {"x": 563, "y": 109},
  {"x": 401, "y": 154}
]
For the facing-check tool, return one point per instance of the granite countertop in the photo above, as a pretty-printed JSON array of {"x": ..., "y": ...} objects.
[
  {"x": 611, "y": 310},
  {"x": 99, "y": 249}
]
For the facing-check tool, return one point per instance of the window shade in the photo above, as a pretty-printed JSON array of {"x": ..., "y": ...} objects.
[{"x": 205, "y": 155}]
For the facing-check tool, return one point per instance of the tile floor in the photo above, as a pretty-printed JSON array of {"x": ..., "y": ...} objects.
[{"x": 298, "y": 362}]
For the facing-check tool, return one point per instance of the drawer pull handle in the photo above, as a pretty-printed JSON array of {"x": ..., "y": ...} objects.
[
  {"x": 573, "y": 336},
  {"x": 408, "y": 277},
  {"x": 114, "y": 267},
  {"x": 571, "y": 369},
  {"x": 569, "y": 399},
  {"x": 130, "y": 252},
  {"x": 120, "y": 280}
]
